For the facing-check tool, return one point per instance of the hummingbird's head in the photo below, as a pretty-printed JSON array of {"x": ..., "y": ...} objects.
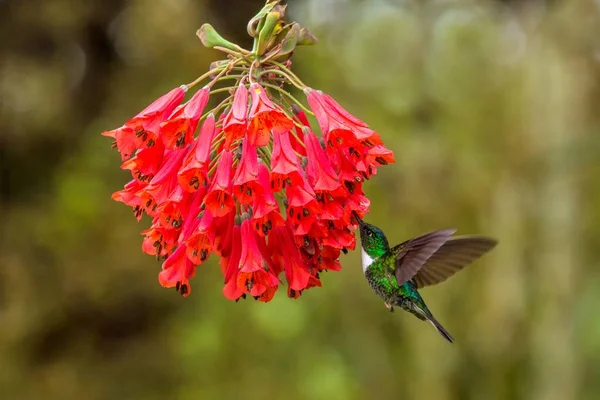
[{"x": 372, "y": 239}]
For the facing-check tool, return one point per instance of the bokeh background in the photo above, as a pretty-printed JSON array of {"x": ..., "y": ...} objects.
[{"x": 493, "y": 111}]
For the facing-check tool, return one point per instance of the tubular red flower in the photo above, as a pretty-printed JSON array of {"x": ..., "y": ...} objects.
[
  {"x": 266, "y": 210},
  {"x": 145, "y": 126},
  {"x": 165, "y": 180},
  {"x": 319, "y": 170},
  {"x": 177, "y": 270},
  {"x": 231, "y": 289},
  {"x": 284, "y": 163},
  {"x": 338, "y": 125},
  {"x": 245, "y": 182},
  {"x": 194, "y": 170},
  {"x": 287, "y": 257},
  {"x": 264, "y": 117},
  {"x": 251, "y": 258},
  {"x": 124, "y": 140},
  {"x": 146, "y": 163},
  {"x": 219, "y": 200},
  {"x": 178, "y": 130},
  {"x": 130, "y": 196},
  {"x": 200, "y": 243},
  {"x": 302, "y": 209},
  {"x": 173, "y": 210},
  {"x": 234, "y": 124},
  {"x": 159, "y": 240}
]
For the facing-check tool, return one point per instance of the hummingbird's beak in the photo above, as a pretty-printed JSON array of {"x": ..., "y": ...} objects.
[{"x": 357, "y": 218}]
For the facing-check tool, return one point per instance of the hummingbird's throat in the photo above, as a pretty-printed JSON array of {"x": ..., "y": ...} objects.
[{"x": 366, "y": 260}]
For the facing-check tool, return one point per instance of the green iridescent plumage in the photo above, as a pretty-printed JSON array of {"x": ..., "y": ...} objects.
[{"x": 396, "y": 273}]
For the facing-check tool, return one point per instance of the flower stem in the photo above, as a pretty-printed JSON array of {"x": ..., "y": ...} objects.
[
  {"x": 288, "y": 95},
  {"x": 289, "y": 72},
  {"x": 289, "y": 78}
]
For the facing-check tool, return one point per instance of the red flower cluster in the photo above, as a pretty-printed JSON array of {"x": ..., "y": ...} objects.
[
  {"x": 255, "y": 186},
  {"x": 216, "y": 192}
]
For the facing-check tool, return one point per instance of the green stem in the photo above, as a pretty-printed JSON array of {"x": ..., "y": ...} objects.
[
  {"x": 289, "y": 72},
  {"x": 288, "y": 95},
  {"x": 289, "y": 77}
]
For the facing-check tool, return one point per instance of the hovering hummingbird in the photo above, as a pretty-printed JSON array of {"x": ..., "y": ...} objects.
[{"x": 396, "y": 273}]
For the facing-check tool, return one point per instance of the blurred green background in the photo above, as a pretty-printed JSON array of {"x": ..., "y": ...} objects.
[{"x": 493, "y": 111}]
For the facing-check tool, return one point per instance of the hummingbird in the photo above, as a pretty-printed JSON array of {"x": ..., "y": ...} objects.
[{"x": 396, "y": 273}]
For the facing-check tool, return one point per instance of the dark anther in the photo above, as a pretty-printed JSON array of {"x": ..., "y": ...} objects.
[
  {"x": 357, "y": 179},
  {"x": 180, "y": 140},
  {"x": 194, "y": 182},
  {"x": 148, "y": 203},
  {"x": 329, "y": 197},
  {"x": 381, "y": 160},
  {"x": 298, "y": 216},
  {"x": 319, "y": 197},
  {"x": 248, "y": 192},
  {"x": 340, "y": 140},
  {"x": 272, "y": 184},
  {"x": 292, "y": 293},
  {"x": 305, "y": 212},
  {"x": 257, "y": 226},
  {"x": 256, "y": 297},
  {"x": 370, "y": 170},
  {"x": 151, "y": 143},
  {"x": 350, "y": 186},
  {"x": 287, "y": 181},
  {"x": 203, "y": 254},
  {"x": 317, "y": 275},
  {"x": 291, "y": 212},
  {"x": 329, "y": 143},
  {"x": 244, "y": 296},
  {"x": 139, "y": 132},
  {"x": 344, "y": 250},
  {"x": 144, "y": 136},
  {"x": 330, "y": 225},
  {"x": 177, "y": 286},
  {"x": 184, "y": 289},
  {"x": 265, "y": 230},
  {"x": 269, "y": 225}
]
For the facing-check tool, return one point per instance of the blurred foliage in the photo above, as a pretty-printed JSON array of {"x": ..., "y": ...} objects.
[{"x": 492, "y": 110}]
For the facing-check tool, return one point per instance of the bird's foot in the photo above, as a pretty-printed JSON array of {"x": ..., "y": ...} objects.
[{"x": 389, "y": 307}]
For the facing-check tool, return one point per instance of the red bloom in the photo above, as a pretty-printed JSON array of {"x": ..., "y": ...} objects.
[
  {"x": 251, "y": 258},
  {"x": 231, "y": 289},
  {"x": 125, "y": 141},
  {"x": 223, "y": 234},
  {"x": 265, "y": 117},
  {"x": 130, "y": 195},
  {"x": 234, "y": 124},
  {"x": 319, "y": 170},
  {"x": 338, "y": 126},
  {"x": 179, "y": 129},
  {"x": 177, "y": 270},
  {"x": 219, "y": 200},
  {"x": 302, "y": 209},
  {"x": 266, "y": 210},
  {"x": 143, "y": 129},
  {"x": 165, "y": 180},
  {"x": 245, "y": 182},
  {"x": 194, "y": 169},
  {"x": 284, "y": 163},
  {"x": 145, "y": 164},
  {"x": 249, "y": 275},
  {"x": 174, "y": 209},
  {"x": 287, "y": 257},
  {"x": 159, "y": 240},
  {"x": 200, "y": 243}
]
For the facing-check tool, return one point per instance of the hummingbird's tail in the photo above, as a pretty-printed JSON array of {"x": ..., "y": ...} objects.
[{"x": 440, "y": 328}]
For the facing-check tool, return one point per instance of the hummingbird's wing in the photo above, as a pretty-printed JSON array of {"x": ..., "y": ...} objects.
[
  {"x": 414, "y": 253},
  {"x": 451, "y": 257}
]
